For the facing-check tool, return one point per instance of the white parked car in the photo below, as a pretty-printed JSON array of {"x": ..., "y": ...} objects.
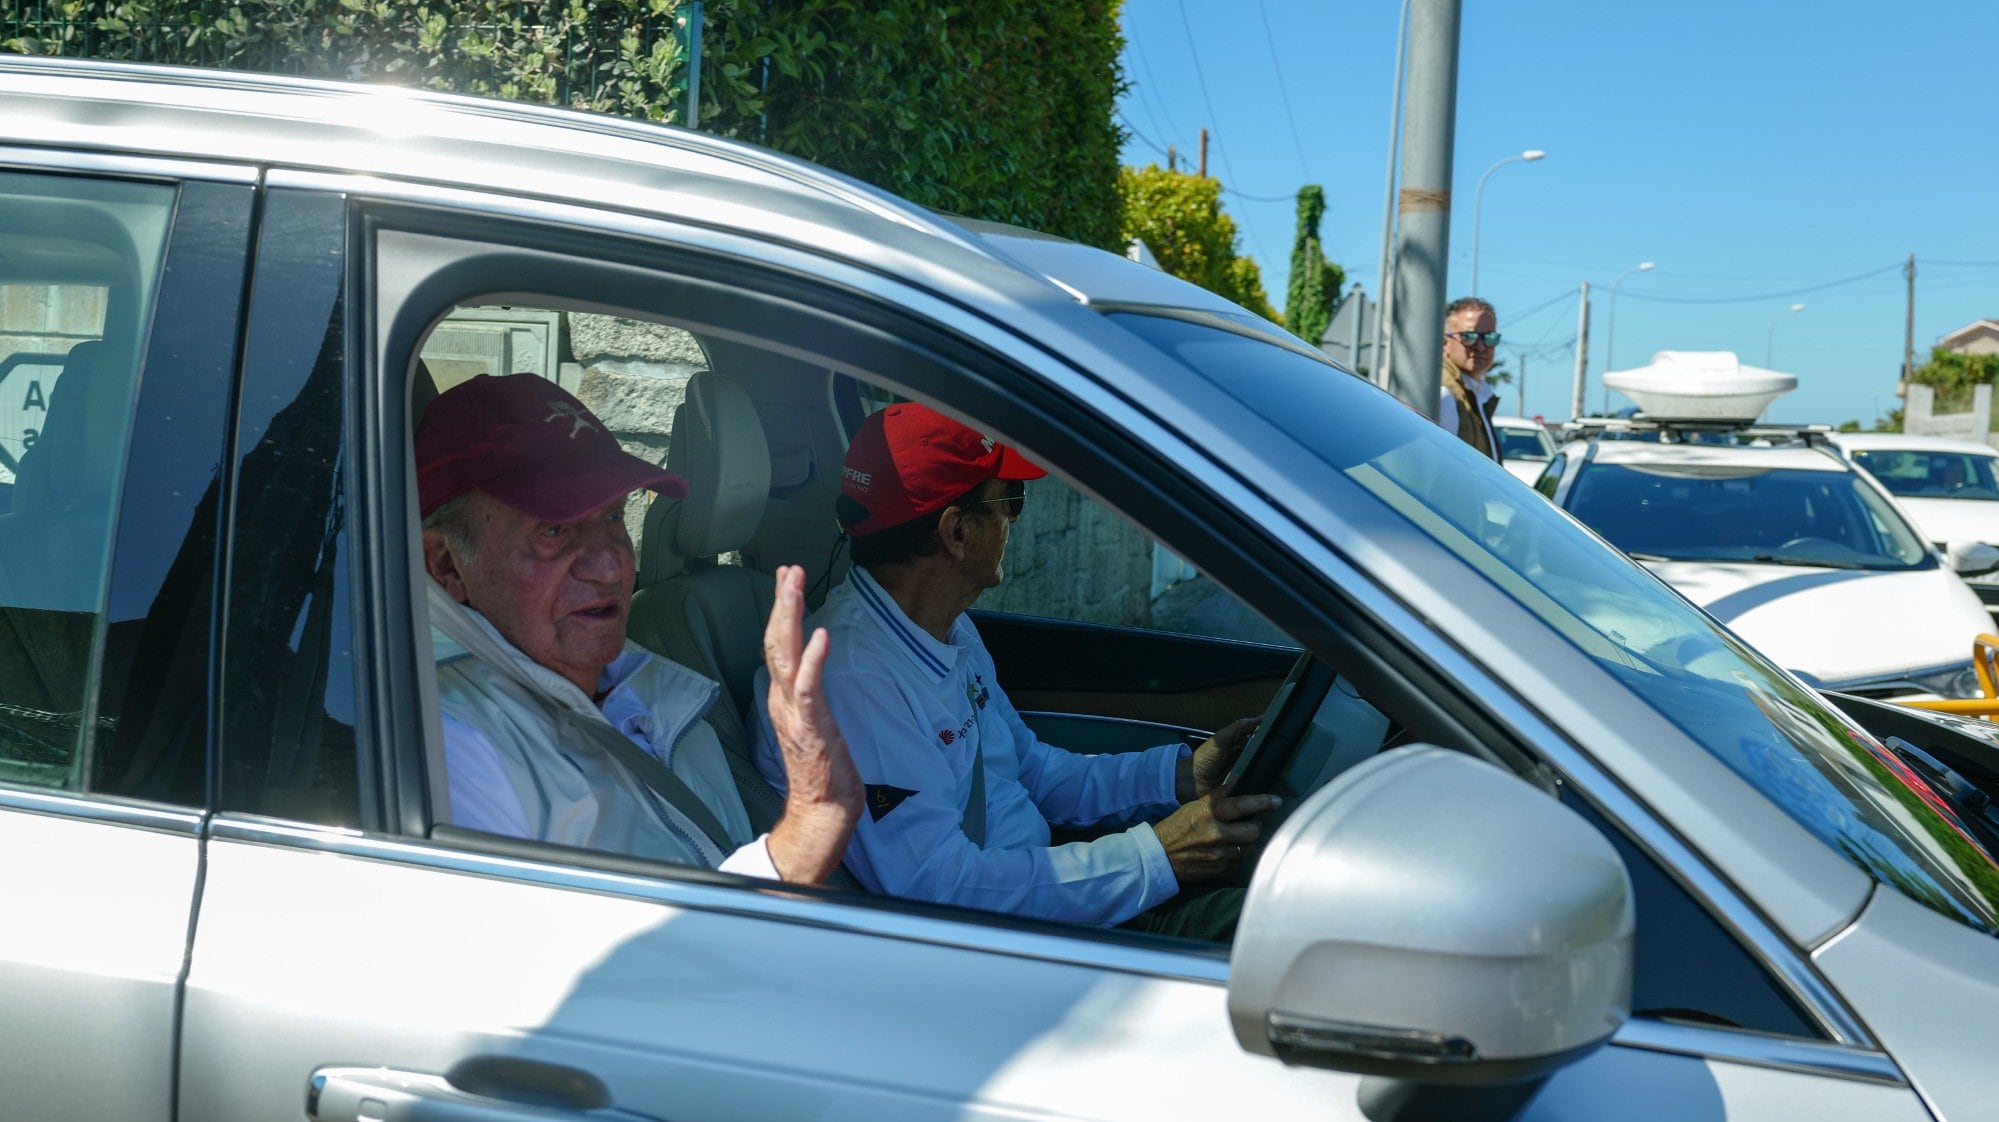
[
  {"x": 1525, "y": 445},
  {"x": 1782, "y": 539},
  {"x": 1950, "y": 488}
]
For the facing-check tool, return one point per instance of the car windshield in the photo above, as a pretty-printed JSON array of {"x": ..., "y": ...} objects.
[
  {"x": 1525, "y": 444},
  {"x": 1925, "y": 474},
  {"x": 1737, "y": 512},
  {"x": 1827, "y": 773}
]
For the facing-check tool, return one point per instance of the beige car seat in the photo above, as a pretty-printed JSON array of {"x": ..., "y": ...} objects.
[{"x": 691, "y": 608}]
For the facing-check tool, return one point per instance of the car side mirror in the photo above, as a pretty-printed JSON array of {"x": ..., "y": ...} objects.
[
  {"x": 1969, "y": 558},
  {"x": 1428, "y": 917}
]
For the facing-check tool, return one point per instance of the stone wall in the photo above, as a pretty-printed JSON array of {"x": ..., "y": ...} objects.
[{"x": 1068, "y": 558}]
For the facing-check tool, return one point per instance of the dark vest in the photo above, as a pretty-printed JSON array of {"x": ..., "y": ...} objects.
[{"x": 1473, "y": 423}]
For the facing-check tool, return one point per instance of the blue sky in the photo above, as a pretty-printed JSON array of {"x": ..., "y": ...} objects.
[{"x": 1762, "y": 152}]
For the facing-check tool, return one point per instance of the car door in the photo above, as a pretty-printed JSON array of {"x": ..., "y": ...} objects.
[
  {"x": 356, "y": 956},
  {"x": 120, "y": 288}
]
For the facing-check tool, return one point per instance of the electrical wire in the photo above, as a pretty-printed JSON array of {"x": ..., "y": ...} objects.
[
  {"x": 1145, "y": 89},
  {"x": 1761, "y": 296},
  {"x": 1283, "y": 93},
  {"x": 1222, "y": 151},
  {"x": 1148, "y": 141}
]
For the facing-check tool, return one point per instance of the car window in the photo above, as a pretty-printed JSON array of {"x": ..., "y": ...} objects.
[
  {"x": 78, "y": 275},
  {"x": 1932, "y": 474},
  {"x": 1744, "y": 513},
  {"x": 1525, "y": 444}
]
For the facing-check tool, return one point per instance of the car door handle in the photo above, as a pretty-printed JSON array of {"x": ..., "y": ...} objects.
[{"x": 482, "y": 1089}]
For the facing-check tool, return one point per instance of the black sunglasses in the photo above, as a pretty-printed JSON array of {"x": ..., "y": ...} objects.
[
  {"x": 1489, "y": 338},
  {"x": 1015, "y": 498}
]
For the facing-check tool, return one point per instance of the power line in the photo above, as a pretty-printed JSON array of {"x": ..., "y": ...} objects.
[
  {"x": 1766, "y": 295},
  {"x": 1194, "y": 52},
  {"x": 1283, "y": 93},
  {"x": 1246, "y": 197},
  {"x": 1145, "y": 89},
  {"x": 1548, "y": 303},
  {"x": 1149, "y": 142}
]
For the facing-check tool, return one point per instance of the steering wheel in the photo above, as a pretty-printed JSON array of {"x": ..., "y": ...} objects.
[
  {"x": 1811, "y": 543},
  {"x": 1285, "y": 721}
]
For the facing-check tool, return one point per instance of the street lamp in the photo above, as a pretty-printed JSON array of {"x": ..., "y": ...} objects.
[
  {"x": 1770, "y": 341},
  {"x": 1478, "y": 201},
  {"x": 1610, "y": 329}
]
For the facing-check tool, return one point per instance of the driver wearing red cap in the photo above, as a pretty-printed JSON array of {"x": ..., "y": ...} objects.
[
  {"x": 557, "y": 728},
  {"x": 959, "y": 793}
]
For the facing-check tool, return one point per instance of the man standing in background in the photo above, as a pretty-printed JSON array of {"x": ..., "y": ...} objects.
[{"x": 1471, "y": 334}]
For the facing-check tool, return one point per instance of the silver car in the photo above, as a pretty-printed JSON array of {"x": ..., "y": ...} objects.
[{"x": 1557, "y": 846}]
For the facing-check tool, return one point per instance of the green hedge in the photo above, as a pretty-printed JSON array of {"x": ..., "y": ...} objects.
[{"x": 990, "y": 110}]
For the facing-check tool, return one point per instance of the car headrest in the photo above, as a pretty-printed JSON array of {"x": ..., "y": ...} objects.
[
  {"x": 76, "y": 455},
  {"x": 718, "y": 447}
]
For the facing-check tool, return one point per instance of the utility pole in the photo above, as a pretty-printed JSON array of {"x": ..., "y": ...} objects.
[
  {"x": 1519, "y": 386},
  {"x": 1172, "y": 159},
  {"x": 1909, "y": 331},
  {"x": 1204, "y": 153},
  {"x": 1582, "y": 355},
  {"x": 1384, "y": 308},
  {"x": 1428, "y": 133}
]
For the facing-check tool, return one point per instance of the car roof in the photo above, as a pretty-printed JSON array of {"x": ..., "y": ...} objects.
[
  {"x": 1518, "y": 423},
  {"x": 560, "y": 155},
  {"x": 1863, "y": 441},
  {"x": 1796, "y": 457}
]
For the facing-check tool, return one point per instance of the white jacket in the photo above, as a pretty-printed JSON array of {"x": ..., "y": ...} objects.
[{"x": 525, "y": 724}]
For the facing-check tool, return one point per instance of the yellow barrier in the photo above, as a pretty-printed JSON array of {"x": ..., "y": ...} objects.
[{"x": 1985, "y": 662}]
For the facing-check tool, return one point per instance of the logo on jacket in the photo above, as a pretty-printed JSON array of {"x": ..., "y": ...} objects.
[
  {"x": 946, "y": 735},
  {"x": 977, "y": 693},
  {"x": 882, "y": 798}
]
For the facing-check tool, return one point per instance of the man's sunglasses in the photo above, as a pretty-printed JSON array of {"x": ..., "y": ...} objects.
[
  {"x": 1015, "y": 498},
  {"x": 1489, "y": 338}
]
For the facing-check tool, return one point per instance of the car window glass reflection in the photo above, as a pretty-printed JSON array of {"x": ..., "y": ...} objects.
[{"x": 81, "y": 263}]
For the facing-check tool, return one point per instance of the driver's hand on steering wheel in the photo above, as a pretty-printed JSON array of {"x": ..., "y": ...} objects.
[
  {"x": 1210, "y": 763},
  {"x": 1210, "y": 836}
]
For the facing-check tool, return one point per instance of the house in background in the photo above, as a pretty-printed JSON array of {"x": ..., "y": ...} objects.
[
  {"x": 1919, "y": 402},
  {"x": 1981, "y": 338}
]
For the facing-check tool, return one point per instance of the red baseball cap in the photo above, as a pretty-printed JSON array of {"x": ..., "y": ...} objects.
[
  {"x": 527, "y": 442},
  {"x": 909, "y": 460}
]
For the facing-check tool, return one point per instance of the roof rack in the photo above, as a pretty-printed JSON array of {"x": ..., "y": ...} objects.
[{"x": 1671, "y": 430}]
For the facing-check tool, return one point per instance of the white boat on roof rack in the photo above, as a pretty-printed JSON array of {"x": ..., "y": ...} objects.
[{"x": 1701, "y": 386}]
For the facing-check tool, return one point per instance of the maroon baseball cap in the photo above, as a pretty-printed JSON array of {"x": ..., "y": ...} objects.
[
  {"x": 527, "y": 442},
  {"x": 910, "y": 460}
]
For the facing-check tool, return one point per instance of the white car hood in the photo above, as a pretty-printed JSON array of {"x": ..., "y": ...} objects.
[{"x": 1837, "y": 625}]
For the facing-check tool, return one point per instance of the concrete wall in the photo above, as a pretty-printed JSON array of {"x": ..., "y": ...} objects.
[{"x": 1919, "y": 416}]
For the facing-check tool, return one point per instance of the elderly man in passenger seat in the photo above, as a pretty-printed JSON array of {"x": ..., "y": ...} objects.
[
  {"x": 960, "y": 793},
  {"x": 555, "y": 727}
]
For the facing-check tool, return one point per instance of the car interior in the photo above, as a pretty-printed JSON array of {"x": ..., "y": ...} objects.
[{"x": 755, "y": 433}]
